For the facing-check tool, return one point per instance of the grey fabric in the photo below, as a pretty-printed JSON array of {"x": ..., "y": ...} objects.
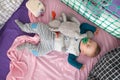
[
  {"x": 46, "y": 37},
  {"x": 108, "y": 67}
]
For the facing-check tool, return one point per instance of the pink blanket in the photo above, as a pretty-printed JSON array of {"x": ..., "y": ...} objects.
[
  {"x": 25, "y": 66},
  {"x": 54, "y": 65}
]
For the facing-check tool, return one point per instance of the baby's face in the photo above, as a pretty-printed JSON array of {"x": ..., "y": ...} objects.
[{"x": 89, "y": 49}]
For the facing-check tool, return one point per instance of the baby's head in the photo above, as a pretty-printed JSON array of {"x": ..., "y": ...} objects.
[{"x": 89, "y": 47}]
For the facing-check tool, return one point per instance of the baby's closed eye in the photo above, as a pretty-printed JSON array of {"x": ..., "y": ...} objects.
[{"x": 88, "y": 46}]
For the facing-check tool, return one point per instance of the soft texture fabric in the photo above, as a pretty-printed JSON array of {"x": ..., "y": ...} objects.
[
  {"x": 7, "y": 35},
  {"x": 108, "y": 67},
  {"x": 106, "y": 41},
  {"x": 54, "y": 65},
  {"x": 25, "y": 66},
  {"x": 7, "y": 8},
  {"x": 10, "y": 31},
  {"x": 68, "y": 27},
  {"x": 46, "y": 37}
]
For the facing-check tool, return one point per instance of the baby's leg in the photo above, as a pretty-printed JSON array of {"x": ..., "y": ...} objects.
[{"x": 27, "y": 27}]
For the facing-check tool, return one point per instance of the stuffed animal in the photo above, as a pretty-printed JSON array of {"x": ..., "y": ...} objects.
[
  {"x": 69, "y": 27},
  {"x": 36, "y": 7}
]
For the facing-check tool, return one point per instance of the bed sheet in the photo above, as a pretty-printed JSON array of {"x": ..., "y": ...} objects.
[
  {"x": 54, "y": 65},
  {"x": 25, "y": 66},
  {"x": 7, "y": 35},
  {"x": 10, "y": 31},
  {"x": 105, "y": 40}
]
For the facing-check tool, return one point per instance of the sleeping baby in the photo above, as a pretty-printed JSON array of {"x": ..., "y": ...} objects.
[
  {"x": 86, "y": 46},
  {"x": 49, "y": 42}
]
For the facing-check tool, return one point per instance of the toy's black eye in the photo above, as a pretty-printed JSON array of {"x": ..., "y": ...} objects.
[{"x": 39, "y": 3}]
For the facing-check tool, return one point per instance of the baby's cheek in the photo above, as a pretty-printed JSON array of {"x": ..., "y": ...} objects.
[{"x": 83, "y": 53}]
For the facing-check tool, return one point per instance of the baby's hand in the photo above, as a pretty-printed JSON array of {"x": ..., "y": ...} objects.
[
  {"x": 82, "y": 67},
  {"x": 97, "y": 31}
]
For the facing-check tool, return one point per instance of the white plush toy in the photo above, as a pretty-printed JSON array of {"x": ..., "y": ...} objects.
[
  {"x": 36, "y": 7},
  {"x": 69, "y": 27}
]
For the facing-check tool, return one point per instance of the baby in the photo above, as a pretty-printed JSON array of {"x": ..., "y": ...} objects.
[
  {"x": 90, "y": 49},
  {"x": 87, "y": 47}
]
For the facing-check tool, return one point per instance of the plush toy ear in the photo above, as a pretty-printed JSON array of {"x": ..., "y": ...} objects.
[{"x": 64, "y": 17}]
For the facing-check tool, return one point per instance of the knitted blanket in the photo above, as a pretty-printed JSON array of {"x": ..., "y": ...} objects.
[
  {"x": 7, "y": 8},
  {"x": 107, "y": 67}
]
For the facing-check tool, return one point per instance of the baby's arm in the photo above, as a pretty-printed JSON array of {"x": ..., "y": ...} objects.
[
  {"x": 84, "y": 27},
  {"x": 72, "y": 60}
]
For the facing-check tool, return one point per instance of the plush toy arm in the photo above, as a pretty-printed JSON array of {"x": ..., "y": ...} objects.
[
  {"x": 24, "y": 27},
  {"x": 75, "y": 20}
]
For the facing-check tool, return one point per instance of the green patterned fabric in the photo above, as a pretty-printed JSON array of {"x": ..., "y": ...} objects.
[{"x": 94, "y": 11}]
